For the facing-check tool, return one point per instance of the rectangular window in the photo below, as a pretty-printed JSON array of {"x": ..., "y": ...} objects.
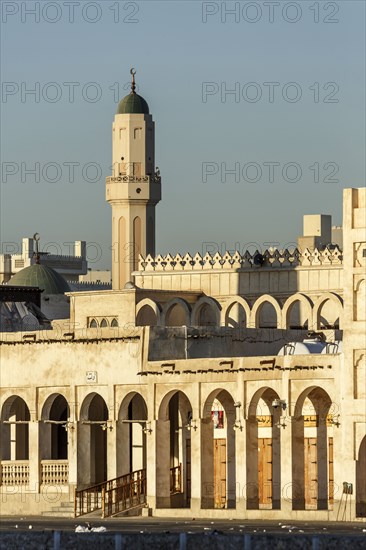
[{"x": 137, "y": 168}]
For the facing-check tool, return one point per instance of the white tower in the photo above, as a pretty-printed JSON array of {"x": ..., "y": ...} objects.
[{"x": 134, "y": 188}]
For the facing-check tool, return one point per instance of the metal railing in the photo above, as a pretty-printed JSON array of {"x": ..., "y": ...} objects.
[
  {"x": 88, "y": 500},
  {"x": 176, "y": 479},
  {"x": 112, "y": 496},
  {"x": 127, "y": 492}
]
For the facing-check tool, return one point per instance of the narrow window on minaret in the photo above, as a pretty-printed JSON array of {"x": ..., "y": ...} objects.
[
  {"x": 137, "y": 168},
  {"x": 137, "y": 133},
  {"x": 122, "y": 168}
]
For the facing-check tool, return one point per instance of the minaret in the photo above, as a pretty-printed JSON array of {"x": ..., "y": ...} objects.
[{"x": 134, "y": 189}]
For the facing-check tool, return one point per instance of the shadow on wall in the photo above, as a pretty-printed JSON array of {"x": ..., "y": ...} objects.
[{"x": 208, "y": 342}]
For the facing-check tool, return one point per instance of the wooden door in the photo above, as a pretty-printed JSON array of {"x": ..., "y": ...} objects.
[
  {"x": 265, "y": 459},
  {"x": 331, "y": 471},
  {"x": 220, "y": 473},
  {"x": 311, "y": 473}
]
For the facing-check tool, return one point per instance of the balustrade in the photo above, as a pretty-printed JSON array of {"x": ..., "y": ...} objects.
[
  {"x": 14, "y": 472},
  {"x": 54, "y": 472}
]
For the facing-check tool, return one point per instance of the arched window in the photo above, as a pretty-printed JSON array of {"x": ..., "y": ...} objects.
[
  {"x": 114, "y": 323},
  {"x": 146, "y": 316},
  {"x": 93, "y": 324},
  {"x": 104, "y": 323}
]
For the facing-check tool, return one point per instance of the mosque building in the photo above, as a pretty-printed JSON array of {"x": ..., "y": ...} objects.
[{"x": 224, "y": 386}]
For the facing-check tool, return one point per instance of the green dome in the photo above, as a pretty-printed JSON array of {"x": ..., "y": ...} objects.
[
  {"x": 43, "y": 277},
  {"x": 132, "y": 104}
]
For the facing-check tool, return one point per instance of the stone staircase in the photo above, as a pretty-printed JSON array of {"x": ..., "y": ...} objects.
[{"x": 62, "y": 510}]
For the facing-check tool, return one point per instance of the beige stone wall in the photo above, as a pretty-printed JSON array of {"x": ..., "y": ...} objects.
[{"x": 105, "y": 375}]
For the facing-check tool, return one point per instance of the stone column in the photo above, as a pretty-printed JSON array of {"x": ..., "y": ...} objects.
[
  {"x": 34, "y": 462},
  {"x": 162, "y": 435},
  {"x": 123, "y": 447},
  {"x": 287, "y": 485},
  {"x": 83, "y": 454},
  {"x": 241, "y": 474},
  {"x": 111, "y": 449},
  {"x": 207, "y": 464},
  {"x": 72, "y": 437},
  {"x": 196, "y": 458},
  {"x": 151, "y": 463}
]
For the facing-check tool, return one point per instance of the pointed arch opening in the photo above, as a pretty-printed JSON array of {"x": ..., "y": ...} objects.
[
  {"x": 263, "y": 452},
  {"x": 206, "y": 313},
  {"x": 15, "y": 419},
  {"x": 328, "y": 312},
  {"x": 237, "y": 315},
  {"x": 92, "y": 441},
  {"x": 53, "y": 442},
  {"x": 176, "y": 313},
  {"x": 173, "y": 444},
  {"x": 297, "y": 313},
  {"x": 312, "y": 451},
  {"x": 218, "y": 458},
  {"x": 147, "y": 313},
  {"x": 131, "y": 434}
]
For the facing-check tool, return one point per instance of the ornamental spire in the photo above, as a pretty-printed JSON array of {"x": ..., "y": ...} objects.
[
  {"x": 133, "y": 85},
  {"x": 37, "y": 254}
]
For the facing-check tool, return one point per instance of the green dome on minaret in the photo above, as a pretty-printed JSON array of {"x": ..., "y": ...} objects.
[{"x": 133, "y": 103}]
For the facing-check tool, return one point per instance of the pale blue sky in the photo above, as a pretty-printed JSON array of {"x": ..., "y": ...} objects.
[{"x": 174, "y": 53}]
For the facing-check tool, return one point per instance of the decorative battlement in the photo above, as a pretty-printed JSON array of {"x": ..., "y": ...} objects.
[
  {"x": 268, "y": 259},
  {"x": 133, "y": 179}
]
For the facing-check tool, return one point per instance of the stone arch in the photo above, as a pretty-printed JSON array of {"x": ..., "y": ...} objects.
[
  {"x": 148, "y": 313},
  {"x": 137, "y": 241},
  {"x": 238, "y": 319},
  {"x": 263, "y": 448},
  {"x": 312, "y": 451},
  {"x": 104, "y": 323},
  {"x": 360, "y": 300},
  {"x": 114, "y": 323},
  {"x": 8, "y": 400},
  {"x": 52, "y": 431},
  {"x": 93, "y": 323},
  {"x": 47, "y": 405},
  {"x": 92, "y": 440},
  {"x": 123, "y": 412},
  {"x": 334, "y": 315},
  {"x": 175, "y": 313},
  {"x": 163, "y": 408},
  {"x": 361, "y": 480},
  {"x": 218, "y": 485},
  {"x": 131, "y": 434},
  {"x": 303, "y": 317},
  {"x": 173, "y": 489},
  {"x": 256, "y": 312},
  {"x": 14, "y": 438},
  {"x": 84, "y": 413},
  {"x": 206, "y": 312},
  {"x": 319, "y": 396}
]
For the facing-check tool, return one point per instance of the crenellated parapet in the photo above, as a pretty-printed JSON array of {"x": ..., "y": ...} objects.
[{"x": 274, "y": 259}]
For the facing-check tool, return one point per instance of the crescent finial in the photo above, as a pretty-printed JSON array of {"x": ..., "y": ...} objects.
[{"x": 133, "y": 85}]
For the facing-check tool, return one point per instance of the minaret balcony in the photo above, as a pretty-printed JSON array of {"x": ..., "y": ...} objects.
[
  {"x": 133, "y": 179},
  {"x": 137, "y": 188}
]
